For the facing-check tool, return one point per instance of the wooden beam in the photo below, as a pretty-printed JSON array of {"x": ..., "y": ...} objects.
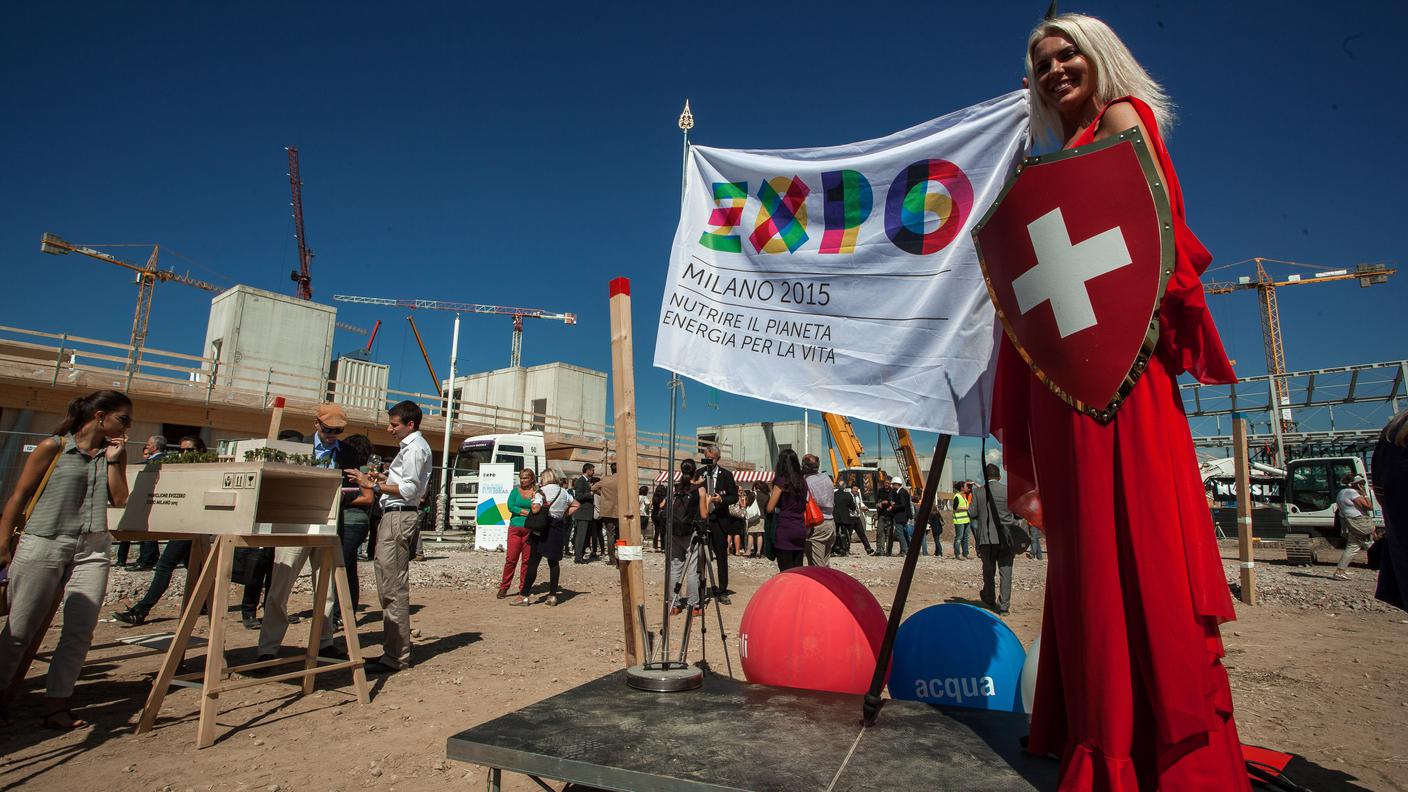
[
  {"x": 623, "y": 394},
  {"x": 1244, "y": 511}
]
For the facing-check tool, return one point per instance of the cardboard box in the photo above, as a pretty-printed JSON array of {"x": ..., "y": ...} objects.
[{"x": 244, "y": 498}]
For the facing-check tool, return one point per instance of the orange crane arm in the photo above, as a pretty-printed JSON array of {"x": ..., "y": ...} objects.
[
  {"x": 845, "y": 437},
  {"x": 438, "y": 391}
]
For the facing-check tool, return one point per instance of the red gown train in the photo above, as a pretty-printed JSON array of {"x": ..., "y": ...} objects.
[{"x": 1131, "y": 691}]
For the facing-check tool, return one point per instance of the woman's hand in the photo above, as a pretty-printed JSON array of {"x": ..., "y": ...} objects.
[{"x": 117, "y": 449}]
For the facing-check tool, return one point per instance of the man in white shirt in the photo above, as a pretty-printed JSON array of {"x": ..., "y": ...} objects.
[{"x": 400, "y": 491}]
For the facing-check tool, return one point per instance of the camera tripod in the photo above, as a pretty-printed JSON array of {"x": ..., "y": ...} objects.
[
  {"x": 703, "y": 555},
  {"x": 667, "y": 674}
]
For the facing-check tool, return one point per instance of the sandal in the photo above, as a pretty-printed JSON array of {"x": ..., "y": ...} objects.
[{"x": 52, "y": 723}]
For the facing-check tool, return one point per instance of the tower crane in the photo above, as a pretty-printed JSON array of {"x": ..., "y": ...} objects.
[
  {"x": 147, "y": 278},
  {"x": 303, "y": 276},
  {"x": 518, "y": 314},
  {"x": 1266, "y": 286}
]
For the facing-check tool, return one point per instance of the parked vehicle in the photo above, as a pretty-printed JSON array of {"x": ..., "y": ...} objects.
[{"x": 520, "y": 450}]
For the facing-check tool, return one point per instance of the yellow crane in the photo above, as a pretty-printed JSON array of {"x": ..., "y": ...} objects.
[
  {"x": 1266, "y": 286},
  {"x": 845, "y": 441},
  {"x": 147, "y": 278}
]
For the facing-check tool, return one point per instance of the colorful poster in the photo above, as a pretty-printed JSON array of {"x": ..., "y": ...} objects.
[
  {"x": 845, "y": 279},
  {"x": 491, "y": 516}
]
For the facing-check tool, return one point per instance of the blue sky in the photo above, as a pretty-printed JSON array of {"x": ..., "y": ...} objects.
[{"x": 524, "y": 154}]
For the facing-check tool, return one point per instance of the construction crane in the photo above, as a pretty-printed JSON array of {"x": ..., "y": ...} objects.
[
  {"x": 303, "y": 276},
  {"x": 1266, "y": 286},
  {"x": 518, "y": 314},
  {"x": 147, "y": 278}
]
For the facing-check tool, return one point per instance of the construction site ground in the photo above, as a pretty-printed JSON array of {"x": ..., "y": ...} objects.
[{"x": 1316, "y": 670}]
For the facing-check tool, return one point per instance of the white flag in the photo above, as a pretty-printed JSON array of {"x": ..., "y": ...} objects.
[{"x": 844, "y": 279}]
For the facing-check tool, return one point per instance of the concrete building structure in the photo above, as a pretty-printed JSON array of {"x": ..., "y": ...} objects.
[
  {"x": 758, "y": 444},
  {"x": 557, "y": 396},
  {"x": 269, "y": 341},
  {"x": 358, "y": 383}
]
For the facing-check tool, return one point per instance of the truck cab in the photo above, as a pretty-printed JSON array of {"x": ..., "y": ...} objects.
[
  {"x": 525, "y": 450},
  {"x": 1311, "y": 487}
]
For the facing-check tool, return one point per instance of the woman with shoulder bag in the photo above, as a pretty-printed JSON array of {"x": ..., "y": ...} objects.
[
  {"x": 788, "y": 502},
  {"x": 753, "y": 520},
  {"x": 520, "y": 503},
  {"x": 552, "y": 507},
  {"x": 62, "y": 555}
]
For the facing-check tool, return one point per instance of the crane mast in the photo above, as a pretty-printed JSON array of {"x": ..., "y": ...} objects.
[{"x": 303, "y": 276}]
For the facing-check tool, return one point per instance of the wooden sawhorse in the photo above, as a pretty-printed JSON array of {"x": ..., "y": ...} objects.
[{"x": 213, "y": 588}]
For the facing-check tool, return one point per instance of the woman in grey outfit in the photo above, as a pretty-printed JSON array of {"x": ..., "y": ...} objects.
[{"x": 62, "y": 556}]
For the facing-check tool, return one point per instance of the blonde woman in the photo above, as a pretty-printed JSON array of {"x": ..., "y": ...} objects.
[
  {"x": 63, "y": 553},
  {"x": 1132, "y": 693},
  {"x": 561, "y": 506}
]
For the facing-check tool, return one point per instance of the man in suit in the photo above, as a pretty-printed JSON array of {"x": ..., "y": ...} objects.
[
  {"x": 991, "y": 519},
  {"x": 583, "y": 520},
  {"x": 724, "y": 489},
  {"x": 847, "y": 520},
  {"x": 884, "y": 518}
]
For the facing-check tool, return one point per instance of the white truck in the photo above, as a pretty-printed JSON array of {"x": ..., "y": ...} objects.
[
  {"x": 524, "y": 450},
  {"x": 1303, "y": 494}
]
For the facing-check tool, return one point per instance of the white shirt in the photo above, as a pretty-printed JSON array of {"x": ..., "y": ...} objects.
[
  {"x": 1346, "y": 501},
  {"x": 558, "y": 500},
  {"x": 409, "y": 471}
]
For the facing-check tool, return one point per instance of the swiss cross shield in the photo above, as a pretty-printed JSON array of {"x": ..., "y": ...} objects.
[{"x": 1077, "y": 252}]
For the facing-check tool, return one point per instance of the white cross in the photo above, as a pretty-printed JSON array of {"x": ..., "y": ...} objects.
[{"x": 1062, "y": 270}]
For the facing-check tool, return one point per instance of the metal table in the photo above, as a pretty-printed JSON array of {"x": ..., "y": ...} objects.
[{"x": 732, "y": 736}]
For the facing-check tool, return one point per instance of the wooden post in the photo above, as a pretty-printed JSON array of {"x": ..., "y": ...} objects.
[
  {"x": 276, "y": 421},
  {"x": 623, "y": 393},
  {"x": 1244, "y": 509}
]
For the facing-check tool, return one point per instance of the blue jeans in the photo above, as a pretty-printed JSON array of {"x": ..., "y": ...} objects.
[
  {"x": 905, "y": 533},
  {"x": 1036, "y": 543},
  {"x": 961, "y": 532}
]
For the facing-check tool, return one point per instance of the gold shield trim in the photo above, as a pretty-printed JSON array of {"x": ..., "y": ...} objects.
[{"x": 1106, "y": 412}]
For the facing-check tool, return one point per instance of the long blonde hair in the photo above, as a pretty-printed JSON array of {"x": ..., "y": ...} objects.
[{"x": 1116, "y": 73}]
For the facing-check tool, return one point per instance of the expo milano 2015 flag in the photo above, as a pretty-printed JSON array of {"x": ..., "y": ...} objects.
[{"x": 845, "y": 278}]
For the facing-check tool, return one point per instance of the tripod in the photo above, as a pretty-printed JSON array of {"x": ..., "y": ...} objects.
[{"x": 699, "y": 549}]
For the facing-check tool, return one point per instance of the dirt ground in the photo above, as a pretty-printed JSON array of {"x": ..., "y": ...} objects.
[{"x": 1315, "y": 671}]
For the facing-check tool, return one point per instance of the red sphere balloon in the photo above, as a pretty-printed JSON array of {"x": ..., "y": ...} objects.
[{"x": 814, "y": 628}]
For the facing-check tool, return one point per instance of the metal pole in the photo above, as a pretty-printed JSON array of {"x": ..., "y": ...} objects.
[
  {"x": 1244, "y": 511},
  {"x": 873, "y": 701},
  {"x": 686, "y": 123},
  {"x": 806, "y": 431},
  {"x": 444, "y": 500},
  {"x": 1276, "y": 422}
]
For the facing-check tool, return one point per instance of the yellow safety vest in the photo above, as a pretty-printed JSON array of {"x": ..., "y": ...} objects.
[{"x": 960, "y": 509}]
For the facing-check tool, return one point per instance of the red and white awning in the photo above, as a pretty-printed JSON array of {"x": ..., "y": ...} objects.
[{"x": 740, "y": 476}]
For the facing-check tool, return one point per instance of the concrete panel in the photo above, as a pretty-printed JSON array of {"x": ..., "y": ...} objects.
[{"x": 271, "y": 341}]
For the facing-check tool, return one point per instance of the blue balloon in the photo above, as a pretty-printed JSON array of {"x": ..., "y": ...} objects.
[{"x": 958, "y": 656}]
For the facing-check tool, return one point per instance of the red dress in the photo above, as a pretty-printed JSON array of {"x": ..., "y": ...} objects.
[{"x": 1131, "y": 692}]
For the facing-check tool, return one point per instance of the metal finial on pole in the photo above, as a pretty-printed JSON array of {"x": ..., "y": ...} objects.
[{"x": 686, "y": 119}]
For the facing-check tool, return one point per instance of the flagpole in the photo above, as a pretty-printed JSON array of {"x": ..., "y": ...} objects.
[{"x": 686, "y": 123}]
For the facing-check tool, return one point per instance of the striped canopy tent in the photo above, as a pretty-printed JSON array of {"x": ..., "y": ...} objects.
[{"x": 740, "y": 476}]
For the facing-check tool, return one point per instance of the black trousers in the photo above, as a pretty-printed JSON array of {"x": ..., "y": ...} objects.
[
  {"x": 786, "y": 559},
  {"x": 718, "y": 545},
  {"x": 259, "y": 584},
  {"x": 174, "y": 553},
  {"x": 582, "y": 531},
  {"x": 554, "y": 570}
]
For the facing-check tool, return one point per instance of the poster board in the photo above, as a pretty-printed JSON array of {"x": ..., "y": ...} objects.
[{"x": 491, "y": 515}]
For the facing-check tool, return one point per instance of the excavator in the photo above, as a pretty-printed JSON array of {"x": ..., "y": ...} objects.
[{"x": 850, "y": 469}]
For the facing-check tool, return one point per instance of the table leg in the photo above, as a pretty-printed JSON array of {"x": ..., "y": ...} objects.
[
  {"x": 322, "y": 567},
  {"x": 224, "y": 552},
  {"x": 496, "y": 778},
  {"x": 177, "y": 651},
  {"x": 349, "y": 627}
]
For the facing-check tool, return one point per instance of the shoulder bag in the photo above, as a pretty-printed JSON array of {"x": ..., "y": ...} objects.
[
  {"x": 812, "y": 516},
  {"x": 537, "y": 522},
  {"x": 19, "y": 527}
]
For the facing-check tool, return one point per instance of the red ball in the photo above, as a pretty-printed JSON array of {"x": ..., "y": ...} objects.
[{"x": 814, "y": 628}]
